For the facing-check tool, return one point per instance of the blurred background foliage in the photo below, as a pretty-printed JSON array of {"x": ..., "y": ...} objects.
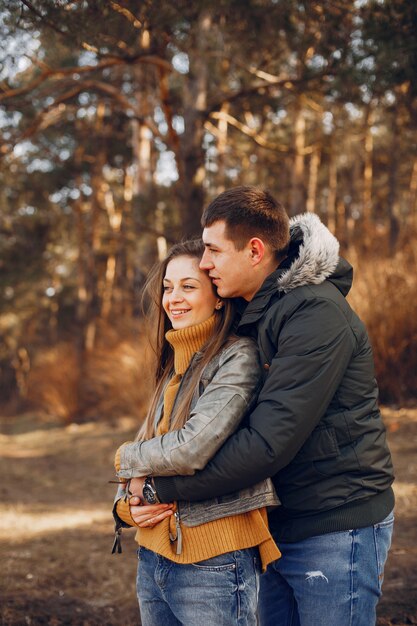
[{"x": 121, "y": 120}]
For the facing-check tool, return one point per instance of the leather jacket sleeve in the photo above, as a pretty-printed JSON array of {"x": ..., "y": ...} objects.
[
  {"x": 216, "y": 415},
  {"x": 121, "y": 511},
  {"x": 314, "y": 347}
]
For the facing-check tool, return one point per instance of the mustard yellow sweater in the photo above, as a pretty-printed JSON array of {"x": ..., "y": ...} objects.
[{"x": 212, "y": 538}]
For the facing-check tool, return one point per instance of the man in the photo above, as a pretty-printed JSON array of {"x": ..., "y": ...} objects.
[{"x": 316, "y": 429}]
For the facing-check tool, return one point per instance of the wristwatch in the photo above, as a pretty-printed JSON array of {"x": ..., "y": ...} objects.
[{"x": 149, "y": 492}]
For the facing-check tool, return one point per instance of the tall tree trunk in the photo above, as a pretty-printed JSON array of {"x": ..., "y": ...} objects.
[
  {"x": 368, "y": 167},
  {"x": 141, "y": 135},
  {"x": 115, "y": 216},
  {"x": 126, "y": 263},
  {"x": 394, "y": 223},
  {"x": 297, "y": 202},
  {"x": 222, "y": 147},
  {"x": 86, "y": 218},
  {"x": 331, "y": 198},
  {"x": 412, "y": 193},
  {"x": 89, "y": 220},
  {"x": 142, "y": 151},
  {"x": 192, "y": 171},
  {"x": 313, "y": 179}
]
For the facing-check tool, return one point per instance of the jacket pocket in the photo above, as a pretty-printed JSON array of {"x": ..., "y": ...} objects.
[{"x": 321, "y": 445}]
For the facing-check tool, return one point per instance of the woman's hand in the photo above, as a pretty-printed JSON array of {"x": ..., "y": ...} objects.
[{"x": 148, "y": 515}]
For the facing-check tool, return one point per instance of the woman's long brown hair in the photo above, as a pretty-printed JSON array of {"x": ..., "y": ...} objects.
[{"x": 152, "y": 304}]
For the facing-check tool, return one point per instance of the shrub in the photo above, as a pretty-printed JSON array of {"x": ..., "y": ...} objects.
[
  {"x": 384, "y": 296},
  {"x": 111, "y": 380}
]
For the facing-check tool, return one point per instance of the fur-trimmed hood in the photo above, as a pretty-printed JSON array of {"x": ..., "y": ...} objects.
[
  {"x": 313, "y": 253},
  {"x": 313, "y": 258}
]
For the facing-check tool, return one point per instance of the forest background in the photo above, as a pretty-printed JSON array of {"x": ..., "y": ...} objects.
[{"x": 120, "y": 121}]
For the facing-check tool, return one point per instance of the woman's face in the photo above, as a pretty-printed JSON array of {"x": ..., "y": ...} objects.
[{"x": 189, "y": 298}]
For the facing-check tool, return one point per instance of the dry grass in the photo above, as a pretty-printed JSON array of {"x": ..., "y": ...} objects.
[
  {"x": 113, "y": 379},
  {"x": 384, "y": 295},
  {"x": 54, "y": 380}
]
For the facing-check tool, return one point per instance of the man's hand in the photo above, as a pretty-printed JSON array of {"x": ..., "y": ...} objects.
[{"x": 148, "y": 515}]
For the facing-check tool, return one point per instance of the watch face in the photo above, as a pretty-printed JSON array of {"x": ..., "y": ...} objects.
[{"x": 148, "y": 494}]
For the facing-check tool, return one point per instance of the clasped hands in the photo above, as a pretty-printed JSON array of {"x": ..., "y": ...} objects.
[{"x": 143, "y": 514}]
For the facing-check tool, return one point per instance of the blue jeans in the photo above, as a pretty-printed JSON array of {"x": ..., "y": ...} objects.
[
  {"x": 328, "y": 580},
  {"x": 222, "y": 591}
]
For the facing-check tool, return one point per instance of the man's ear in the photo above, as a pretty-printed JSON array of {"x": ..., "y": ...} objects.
[{"x": 256, "y": 250}]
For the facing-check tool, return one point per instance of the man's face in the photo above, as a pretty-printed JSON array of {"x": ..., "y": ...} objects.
[{"x": 230, "y": 269}]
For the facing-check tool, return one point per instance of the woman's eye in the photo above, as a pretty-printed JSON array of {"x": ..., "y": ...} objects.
[
  {"x": 165, "y": 288},
  {"x": 188, "y": 286}
]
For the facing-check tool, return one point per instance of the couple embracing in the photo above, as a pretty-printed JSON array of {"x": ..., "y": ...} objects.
[{"x": 260, "y": 481}]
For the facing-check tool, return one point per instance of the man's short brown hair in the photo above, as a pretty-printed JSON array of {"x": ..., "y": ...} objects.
[{"x": 250, "y": 212}]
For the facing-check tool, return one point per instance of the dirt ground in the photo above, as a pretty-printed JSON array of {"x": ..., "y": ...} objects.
[{"x": 56, "y": 530}]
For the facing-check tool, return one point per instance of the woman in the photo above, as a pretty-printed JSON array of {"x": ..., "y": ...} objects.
[{"x": 199, "y": 564}]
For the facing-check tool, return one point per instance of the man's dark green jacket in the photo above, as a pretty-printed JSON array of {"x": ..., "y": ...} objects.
[{"x": 316, "y": 428}]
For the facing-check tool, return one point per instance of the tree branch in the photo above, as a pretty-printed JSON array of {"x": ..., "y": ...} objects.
[
  {"x": 128, "y": 14},
  {"x": 287, "y": 82},
  {"x": 83, "y": 69},
  {"x": 246, "y": 130},
  {"x": 54, "y": 111},
  {"x": 173, "y": 137},
  {"x": 44, "y": 19}
]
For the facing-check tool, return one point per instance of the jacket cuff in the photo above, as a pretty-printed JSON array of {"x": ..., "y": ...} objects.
[
  {"x": 165, "y": 488},
  {"x": 118, "y": 457},
  {"x": 121, "y": 514}
]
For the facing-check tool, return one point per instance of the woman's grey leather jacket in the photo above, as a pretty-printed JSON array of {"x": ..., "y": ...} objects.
[{"x": 228, "y": 389}]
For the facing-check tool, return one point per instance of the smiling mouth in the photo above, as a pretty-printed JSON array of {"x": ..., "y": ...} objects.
[{"x": 179, "y": 312}]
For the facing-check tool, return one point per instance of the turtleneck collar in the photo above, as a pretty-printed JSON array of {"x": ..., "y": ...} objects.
[{"x": 187, "y": 341}]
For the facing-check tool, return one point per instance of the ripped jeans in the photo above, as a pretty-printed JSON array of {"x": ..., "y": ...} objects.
[{"x": 328, "y": 580}]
